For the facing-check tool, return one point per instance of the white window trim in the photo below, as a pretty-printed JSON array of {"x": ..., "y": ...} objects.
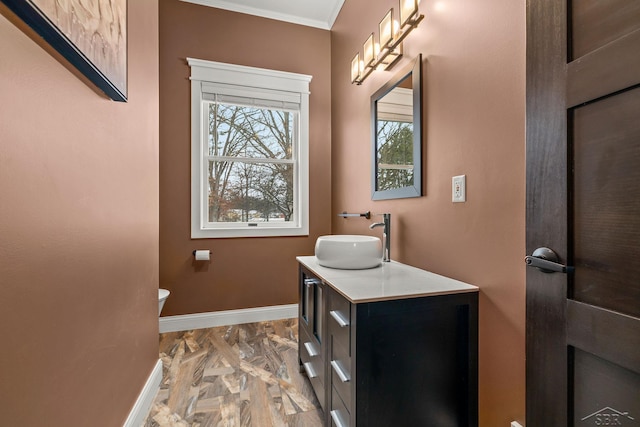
[{"x": 253, "y": 79}]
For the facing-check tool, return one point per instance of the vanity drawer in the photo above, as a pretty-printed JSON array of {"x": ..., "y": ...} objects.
[
  {"x": 309, "y": 347},
  {"x": 338, "y": 413},
  {"x": 339, "y": 320},
  {"x": 312, "y": 364},
  {"x": 341, "y": 377}
]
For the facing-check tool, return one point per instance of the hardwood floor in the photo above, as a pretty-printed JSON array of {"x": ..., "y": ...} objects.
[{"x": 234, "y": 376}]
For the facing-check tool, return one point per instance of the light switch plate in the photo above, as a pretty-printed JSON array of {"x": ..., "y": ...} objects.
[{"x": 459, "y": 189}]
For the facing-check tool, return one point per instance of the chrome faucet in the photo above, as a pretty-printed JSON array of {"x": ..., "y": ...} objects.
[{"x": 386, "y": 218}]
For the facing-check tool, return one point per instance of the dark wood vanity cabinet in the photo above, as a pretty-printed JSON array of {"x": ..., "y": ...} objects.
[{"x": 398, "y": 362}]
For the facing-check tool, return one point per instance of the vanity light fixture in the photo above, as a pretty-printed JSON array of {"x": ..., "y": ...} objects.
[
  {"x": 386, "y": 29},
  {"x": 408, "y": 11},
  {"x": 355, "y": 68},
  {"x": 368, "y": 52},
  {"x": 388, "y": 50}
]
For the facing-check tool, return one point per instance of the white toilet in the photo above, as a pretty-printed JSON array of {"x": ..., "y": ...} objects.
[{"x": 163, "y": 294}]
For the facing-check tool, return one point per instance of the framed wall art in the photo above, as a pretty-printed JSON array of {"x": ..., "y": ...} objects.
[{"x": 90, "y": 34}]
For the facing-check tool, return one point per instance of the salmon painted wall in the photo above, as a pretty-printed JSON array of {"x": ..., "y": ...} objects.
[
  {"x": 245, "y": 272},
  {"x": 474, "y": 113},
  {"x": 78, "y": 233}
]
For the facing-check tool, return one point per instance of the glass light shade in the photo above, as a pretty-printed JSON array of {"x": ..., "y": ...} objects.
[
  {"x": 386, "y": 28},
  {"x": 408, "y": 10},
  {"x": 355, "y": 68},
  {"x": 368, "y": 53}
]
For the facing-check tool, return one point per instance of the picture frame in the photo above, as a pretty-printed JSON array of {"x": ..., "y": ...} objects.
[{"x": 91, "y": 35}]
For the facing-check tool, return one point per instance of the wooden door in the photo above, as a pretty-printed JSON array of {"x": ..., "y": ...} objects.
[{"x": 583, "y": 202}]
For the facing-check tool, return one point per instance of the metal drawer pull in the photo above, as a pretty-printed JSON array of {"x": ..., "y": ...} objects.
[
  {"x": 311, "y": 349},
  {"x": 336, "y": 418},
  {"x": 339, "y": 318},
  {"x": 311, "y": 282},
  {"x": 308, "y": 367},
  {"x": 344, "y": 377}
]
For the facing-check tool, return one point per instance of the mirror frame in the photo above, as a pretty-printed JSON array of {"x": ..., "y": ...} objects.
[{"x": 413, "y": 69}]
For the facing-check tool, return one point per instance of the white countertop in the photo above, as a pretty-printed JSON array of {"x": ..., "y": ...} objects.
[{"x": 392, "y": 280}]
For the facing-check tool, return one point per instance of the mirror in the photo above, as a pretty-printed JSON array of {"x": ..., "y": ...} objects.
[{"x": 396, "y": 116}]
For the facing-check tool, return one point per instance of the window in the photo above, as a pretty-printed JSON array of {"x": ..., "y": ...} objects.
[{"x": 249, "y": 145}]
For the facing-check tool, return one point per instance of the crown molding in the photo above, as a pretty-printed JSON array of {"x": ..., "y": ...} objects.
[{"x": 236, "y": 6}]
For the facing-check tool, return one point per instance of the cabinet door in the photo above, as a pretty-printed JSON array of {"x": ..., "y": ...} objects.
[
  {"x": 311, "y": 304},
  {"x": 306, "y": 300},
  {"x": 318, "y": 306}
]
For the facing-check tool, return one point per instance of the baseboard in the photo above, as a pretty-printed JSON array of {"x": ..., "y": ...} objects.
[
  {"x": 143, "y": 404},
  {"x": 187, "y": 322}
]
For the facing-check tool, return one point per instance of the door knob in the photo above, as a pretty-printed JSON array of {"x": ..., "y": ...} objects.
[{"x": 546, "y": 260}]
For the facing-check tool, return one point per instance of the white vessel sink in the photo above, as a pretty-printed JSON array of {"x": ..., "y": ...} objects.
[{"x": 349, "y": 252}]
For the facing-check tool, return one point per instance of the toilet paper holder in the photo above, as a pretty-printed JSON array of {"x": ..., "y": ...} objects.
[
  {"x": 202, "y": 254},
  {"x": 196, "y": 250}
]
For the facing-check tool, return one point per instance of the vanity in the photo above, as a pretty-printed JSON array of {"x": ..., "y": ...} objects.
[{"x": 389, "y": 346}]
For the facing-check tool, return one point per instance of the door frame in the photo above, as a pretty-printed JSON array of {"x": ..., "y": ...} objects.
[{"x": 546, "y": 156}]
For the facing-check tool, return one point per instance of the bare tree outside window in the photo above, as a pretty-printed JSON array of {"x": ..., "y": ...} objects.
[{"x": 251, "y": 166}]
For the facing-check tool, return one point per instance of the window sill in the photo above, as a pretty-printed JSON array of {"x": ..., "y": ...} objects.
[{"x": 248, "y": 232}]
